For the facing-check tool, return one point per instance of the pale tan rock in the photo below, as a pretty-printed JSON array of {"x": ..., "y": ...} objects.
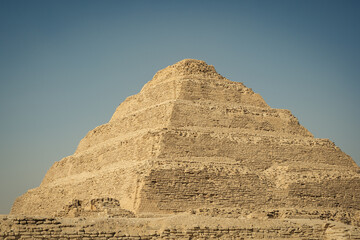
[
  {"x": 192, "y": 139},
  {"x": 180, "y": 226}
]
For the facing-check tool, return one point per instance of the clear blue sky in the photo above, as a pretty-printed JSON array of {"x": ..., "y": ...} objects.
[{"x": 66, "y": 65}]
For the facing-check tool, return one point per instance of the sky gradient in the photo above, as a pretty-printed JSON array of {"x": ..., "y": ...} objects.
[{"x": 66, "y": 65}]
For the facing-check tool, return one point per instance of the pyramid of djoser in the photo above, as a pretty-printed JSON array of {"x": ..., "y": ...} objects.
[{"x": 192, "y": 141}]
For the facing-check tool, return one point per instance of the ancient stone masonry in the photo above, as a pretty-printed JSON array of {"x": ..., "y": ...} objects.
[
  {"x": 170, "y": 228},
  {"x": 192, "y": 139}
]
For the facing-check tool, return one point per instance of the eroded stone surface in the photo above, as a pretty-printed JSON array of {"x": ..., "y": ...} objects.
[{"x": 181, "y": 226}]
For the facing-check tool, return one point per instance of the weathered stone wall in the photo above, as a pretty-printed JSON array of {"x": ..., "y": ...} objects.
[
  {"x": 121, "y": 228},
  {"x": 154, "y": 117},
  {"x": 163, "y": 92},
  {"x": 120, "y": 181},
  {"x": 131, "y": 147},
  {"x": 183, "y": 188},
  {"x": 220, "y": 91},
  {"x": 277, "y": 122},
  {"x": 190, "y": 185},
  {"x": 256, "y": 150},
  {"x": 328, "y": 193}
]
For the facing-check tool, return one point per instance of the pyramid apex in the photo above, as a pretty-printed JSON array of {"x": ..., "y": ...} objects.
[
  {"x": 188, "y": 61},
  {"x": 187, "y": 68}
]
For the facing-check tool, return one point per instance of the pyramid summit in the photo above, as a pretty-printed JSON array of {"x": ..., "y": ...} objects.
[
  {"x": 188, "y": 67},
  {"x": 194, "y": 141}
]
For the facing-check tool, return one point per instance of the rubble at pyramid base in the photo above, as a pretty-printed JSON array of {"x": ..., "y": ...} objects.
[{"x": 265, "y": 225}]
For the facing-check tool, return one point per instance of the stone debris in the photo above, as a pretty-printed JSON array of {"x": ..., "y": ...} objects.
[
  {"x": 101, "y": 207},
  {"x": 172, "y": 227}
]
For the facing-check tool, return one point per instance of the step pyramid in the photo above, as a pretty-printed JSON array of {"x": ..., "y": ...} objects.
[{"x": 193, "y": 139}]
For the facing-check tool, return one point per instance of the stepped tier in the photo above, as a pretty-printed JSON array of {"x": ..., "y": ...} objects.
[{"x": 194, "y": 139}]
